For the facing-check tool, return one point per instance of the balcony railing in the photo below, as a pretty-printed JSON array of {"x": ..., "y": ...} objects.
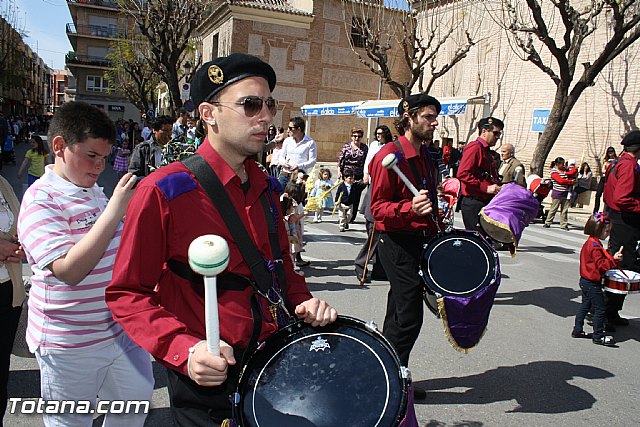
[
  {"x": 96, "y": 30},
  {"x": 104, "y": 3},
  {"x": 87, "y": 60}
]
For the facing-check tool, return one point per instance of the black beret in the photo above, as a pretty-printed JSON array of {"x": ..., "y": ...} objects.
[
  {"x": 215, "y": 75},
  {"x": 416, "y": 100},
  {"x": 632, "y": 138},
  {"x": 489, "y": 122}
]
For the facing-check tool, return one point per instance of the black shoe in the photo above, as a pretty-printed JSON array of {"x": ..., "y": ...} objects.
[
  {"x": 619, "y": 321},
  {"x": 346, "y": 226},
  {"x": 302, "y": 263},
  {"x": 359, "y": 277},
  {"x": 606, "y": 340},
  {"x": 546, "y": 226},
  {"x": 419, "y": 393},
  {"x": 581, "y": 334}
]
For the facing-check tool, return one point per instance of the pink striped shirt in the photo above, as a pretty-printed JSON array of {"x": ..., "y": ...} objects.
[{"x": 55, "y": 214}]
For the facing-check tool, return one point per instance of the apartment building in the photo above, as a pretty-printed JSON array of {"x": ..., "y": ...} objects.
[{"x": 96, "y": 24}]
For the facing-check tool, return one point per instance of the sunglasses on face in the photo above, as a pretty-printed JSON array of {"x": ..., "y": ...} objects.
[
  {"x": 356, "y": 136},
  {"x": 253, "y": 104},
  {"x": 379, "y": 133},
  {"x": 291, "y": 127},
  {"x": 496, "y": 133}
]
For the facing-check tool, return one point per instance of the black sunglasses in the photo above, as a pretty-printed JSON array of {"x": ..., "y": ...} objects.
[{"x": 253, "y": 104}]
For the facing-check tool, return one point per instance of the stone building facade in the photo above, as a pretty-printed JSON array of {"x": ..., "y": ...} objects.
[{"x": 307, "y": 45}]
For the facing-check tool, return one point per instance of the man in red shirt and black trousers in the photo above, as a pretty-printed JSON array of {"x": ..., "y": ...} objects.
[
  {"x": 154, "y": 294},
  {"x": 406, "y": 221},
  {"x": 622, "y": 196},
  {"x": 478, "y": 172}
]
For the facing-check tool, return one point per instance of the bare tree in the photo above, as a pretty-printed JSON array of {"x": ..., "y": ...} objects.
[
  {"x": 551, "y": 34},
  {"x": 427, "y": 37},
  {"x": 616, "y": 86},
  {"x": 131, "y": 71},
  {"x": 169, "y": 26}
]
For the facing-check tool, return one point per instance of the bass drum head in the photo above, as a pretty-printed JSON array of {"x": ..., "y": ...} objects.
[
  {"x": 343, "y": 374},
  {"x": 459, "y": 263}
]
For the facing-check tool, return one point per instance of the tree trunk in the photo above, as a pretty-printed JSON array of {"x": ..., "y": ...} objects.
[{"x": 174, "y": 90}]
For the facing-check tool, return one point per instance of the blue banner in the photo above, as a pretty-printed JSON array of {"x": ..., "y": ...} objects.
[{"x": 329, "y": 109}]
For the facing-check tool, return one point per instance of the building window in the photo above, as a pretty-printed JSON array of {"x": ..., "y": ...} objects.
[
  {"x": 359, "y": 30},
  {"x": 214, "y": 46},
  {"x": 97, "y": 84}
]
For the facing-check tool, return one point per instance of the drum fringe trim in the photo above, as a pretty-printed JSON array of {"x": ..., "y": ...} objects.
[
  {"x": 504, "y": 227},
  {"x": 447, "y": 331}
]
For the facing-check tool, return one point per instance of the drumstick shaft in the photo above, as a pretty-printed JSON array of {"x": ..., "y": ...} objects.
[
  {"x": 212, "y": 323},
  {"x": 406, "y": 181}
]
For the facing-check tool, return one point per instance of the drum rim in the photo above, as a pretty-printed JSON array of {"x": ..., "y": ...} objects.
[
  {"x": 471, "y": 236},
  {"x": 300, "y": 325}
]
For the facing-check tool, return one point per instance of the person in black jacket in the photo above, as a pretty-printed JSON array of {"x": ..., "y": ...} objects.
[
  {"x": 147, "y": 156},
  {"x": 344, "y": 200}
]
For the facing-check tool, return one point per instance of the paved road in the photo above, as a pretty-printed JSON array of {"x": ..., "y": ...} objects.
[{"x": 527, "y": 370}]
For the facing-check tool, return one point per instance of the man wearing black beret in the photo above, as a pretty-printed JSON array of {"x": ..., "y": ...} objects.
[
  {"x": 406, "y": 222},
  {"x": 622, "y": 196},
  {"x": 155, "y": 295},
  {"x": 478, "y": 171}
]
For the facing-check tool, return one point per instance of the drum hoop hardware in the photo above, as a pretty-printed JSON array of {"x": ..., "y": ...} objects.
[{"x": 386, "y": 374}]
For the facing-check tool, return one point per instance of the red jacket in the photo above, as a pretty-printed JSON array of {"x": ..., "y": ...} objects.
[
  {"x": 163, "y": 313},
  {"x": 595, "y": 260},
  {"x": 622, "y": 186},
  {"x": 391, "y": 199},
  {"x": 477, "y": 170}
]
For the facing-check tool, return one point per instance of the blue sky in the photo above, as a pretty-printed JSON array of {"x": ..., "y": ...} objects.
[{"x": 45, "y": 22}]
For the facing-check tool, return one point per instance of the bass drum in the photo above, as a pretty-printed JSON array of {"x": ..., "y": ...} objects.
[
  {"x": 343, "y": 374},
  {"x": 461, "y": 273}
]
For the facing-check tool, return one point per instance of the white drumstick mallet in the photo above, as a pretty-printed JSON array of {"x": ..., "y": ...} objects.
[
  {"x": 209, "y": 256},
  {"x": 390, "y": 161}
]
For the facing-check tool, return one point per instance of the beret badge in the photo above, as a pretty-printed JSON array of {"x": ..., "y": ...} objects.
[
  {"x": 215, "y": 74},
  {"x": 405, "y": 106}
]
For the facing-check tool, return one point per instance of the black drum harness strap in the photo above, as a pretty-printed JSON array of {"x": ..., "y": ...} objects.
[{"x": 269, "y": 276}]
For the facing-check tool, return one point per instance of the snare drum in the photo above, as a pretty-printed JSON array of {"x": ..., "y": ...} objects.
[
  {"x": 462, "y": 271},
  {"x": 617, "y": 283},
  {"x": 343, "y": 374}
]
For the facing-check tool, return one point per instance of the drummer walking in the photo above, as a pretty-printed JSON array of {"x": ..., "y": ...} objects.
[
  {"x": 157, "y": 298},
  {"x": 406, "y": 222},
  {"x": 622, "y": 196},
  {"x": 478, "y": 172}
]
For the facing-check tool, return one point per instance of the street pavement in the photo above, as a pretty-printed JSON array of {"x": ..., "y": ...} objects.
[{"x": 526, "y": 371}]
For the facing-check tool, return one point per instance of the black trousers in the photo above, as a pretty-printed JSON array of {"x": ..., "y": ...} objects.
[
  {"x": 9, "y": 318},
  {"x": 197, "y": 406},
  {"x": 625, "y": 231},
  {"x": 371, "y": 250},
  {"x": 471, "y": 207},
  {"x": 400, "y": 255}
]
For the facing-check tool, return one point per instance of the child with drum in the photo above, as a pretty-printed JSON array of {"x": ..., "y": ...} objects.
[{"x": 594, "y": 262}]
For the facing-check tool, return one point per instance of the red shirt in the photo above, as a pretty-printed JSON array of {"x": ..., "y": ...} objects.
[
  {"x": 595, "y": 260},
  {"x": 162, "y": 312},
  {"x": 391, "y": 199},
  {"x": 622, "y": 188},
  {"x": 477, "y": 170}
]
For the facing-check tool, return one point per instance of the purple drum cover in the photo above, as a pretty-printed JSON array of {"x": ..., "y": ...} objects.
[{"x": 509, "y": 213}]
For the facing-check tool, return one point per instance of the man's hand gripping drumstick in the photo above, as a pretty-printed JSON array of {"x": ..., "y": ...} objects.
[
  {"x": 421, "y": 203},
  {"x": 209, "y": 256}
]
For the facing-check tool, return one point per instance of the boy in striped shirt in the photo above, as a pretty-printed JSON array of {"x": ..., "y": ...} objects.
[{"x": 70, "y": 233}]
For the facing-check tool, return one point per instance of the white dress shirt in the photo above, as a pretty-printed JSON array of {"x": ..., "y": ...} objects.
[{"x": 303, "y": 154}]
